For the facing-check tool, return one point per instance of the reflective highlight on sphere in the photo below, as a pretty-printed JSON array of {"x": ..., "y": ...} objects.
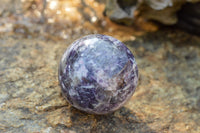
[{"x": 98, "y": 74}]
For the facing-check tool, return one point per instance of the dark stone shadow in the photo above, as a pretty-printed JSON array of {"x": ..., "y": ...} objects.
[
  {"x": 121, "y": 121},
  {"x": 189, "y": 18}
]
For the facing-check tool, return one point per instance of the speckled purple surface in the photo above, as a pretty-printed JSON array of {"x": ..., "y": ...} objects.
[{"x": 98, "y": 74}]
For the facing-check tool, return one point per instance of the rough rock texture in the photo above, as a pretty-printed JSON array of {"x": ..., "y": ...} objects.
[
  {"x": 167, "y": 98},
  {"x": 98, "y": 74},
  {"x": 164, "y": 11}
]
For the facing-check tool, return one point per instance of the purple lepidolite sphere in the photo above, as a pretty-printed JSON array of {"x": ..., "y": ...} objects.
[{"x": 98, "y": 74}]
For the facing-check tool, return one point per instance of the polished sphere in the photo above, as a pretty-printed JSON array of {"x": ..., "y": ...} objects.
[{"x": 98, "y": 74}]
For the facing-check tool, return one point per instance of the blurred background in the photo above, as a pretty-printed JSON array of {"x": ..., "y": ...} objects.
[
  {"x": 163, "y": 35},
  {"x": 64, "y": 18}
]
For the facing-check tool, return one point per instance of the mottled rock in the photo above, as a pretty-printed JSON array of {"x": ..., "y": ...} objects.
[{"x": 98, "y": 74}]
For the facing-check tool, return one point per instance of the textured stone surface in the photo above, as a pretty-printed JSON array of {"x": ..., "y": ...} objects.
[
  {"x": 167, "y": 97},
  {"x": 98, "y": 74}
]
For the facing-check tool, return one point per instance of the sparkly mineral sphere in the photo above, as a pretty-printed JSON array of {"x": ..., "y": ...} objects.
[{"x": 98, "y": 74}]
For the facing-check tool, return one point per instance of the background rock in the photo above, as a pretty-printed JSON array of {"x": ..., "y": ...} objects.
[
  {"x": 121, "y": 11},
  {"x": 163, "y": 11}
]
